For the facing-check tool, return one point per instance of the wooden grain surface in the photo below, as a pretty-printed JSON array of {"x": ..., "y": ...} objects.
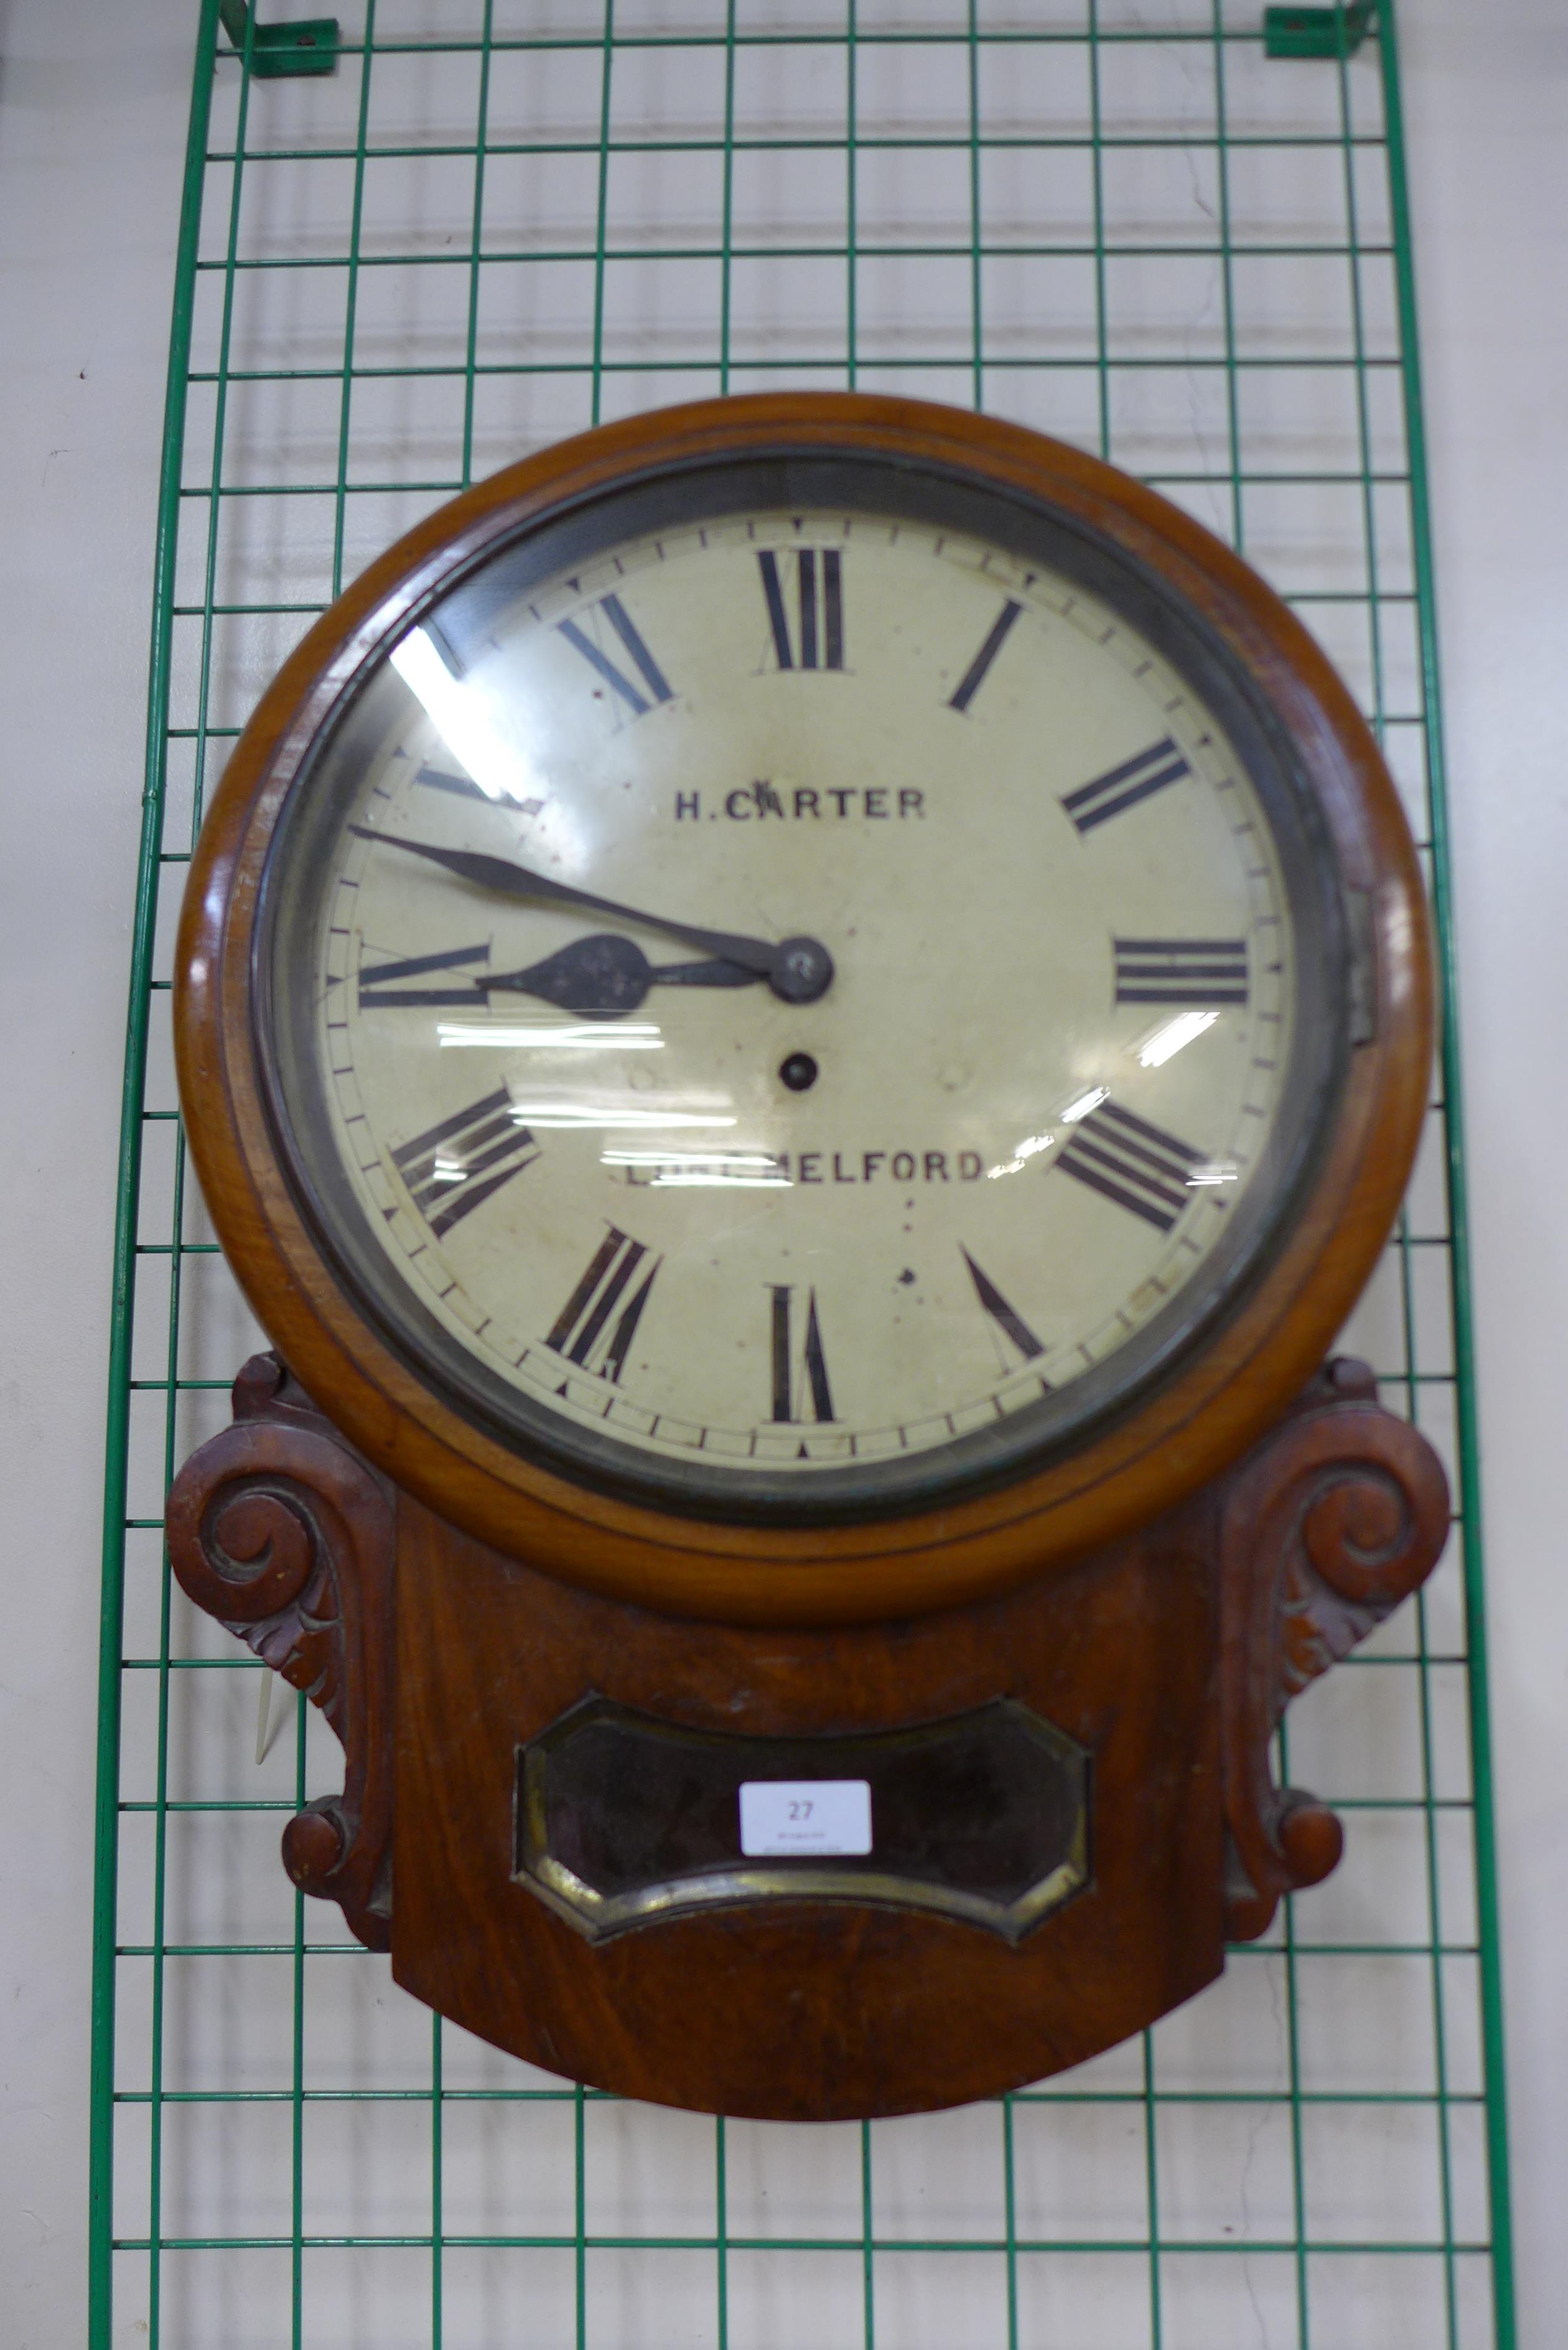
[
  {"x": 797, "y": 2009},
  {"x": 1168, "y": 1657}
]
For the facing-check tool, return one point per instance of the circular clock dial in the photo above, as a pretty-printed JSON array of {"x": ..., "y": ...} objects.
[{"x": 797, "y": 1003}]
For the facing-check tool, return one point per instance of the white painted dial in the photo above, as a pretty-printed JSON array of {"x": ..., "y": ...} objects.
[{"x": 709, "y": 1238}]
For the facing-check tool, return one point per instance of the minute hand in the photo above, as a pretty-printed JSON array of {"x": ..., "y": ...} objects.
[{"x": 797, "y": 969}]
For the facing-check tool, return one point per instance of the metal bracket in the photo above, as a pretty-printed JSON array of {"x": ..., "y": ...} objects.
[
  {"x": 278, "y": 52},
  {"x": 1333, "y": 32}
]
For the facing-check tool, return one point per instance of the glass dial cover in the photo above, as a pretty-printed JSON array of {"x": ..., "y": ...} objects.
[{"x": 800, "y": 987}]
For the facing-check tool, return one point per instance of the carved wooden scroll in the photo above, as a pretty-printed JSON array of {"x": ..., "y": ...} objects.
[
  {"x": 281, "y": 1531},
  {"x": 1325, "y": 1527}
]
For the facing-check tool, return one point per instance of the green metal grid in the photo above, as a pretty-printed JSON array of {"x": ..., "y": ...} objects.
[{"x": 1143, "y": 225}]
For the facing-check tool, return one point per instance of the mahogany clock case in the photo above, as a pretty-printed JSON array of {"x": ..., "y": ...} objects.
[
  {"x": 1077, "y": 1476},
  {"x": 1110, "y": 1815},
  {"x": 1062, "y": 1672}
]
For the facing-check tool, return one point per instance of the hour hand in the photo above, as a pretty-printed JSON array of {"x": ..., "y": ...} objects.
[
  {"x": 798, "y": 969},
  {"x": 608, "y": 976}
]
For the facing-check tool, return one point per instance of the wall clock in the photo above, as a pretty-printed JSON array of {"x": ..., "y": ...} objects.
[{"x": 802, "y": 1017}]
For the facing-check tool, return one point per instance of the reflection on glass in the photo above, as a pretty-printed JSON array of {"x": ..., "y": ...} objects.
[
  {"x": 757, "y": 1162},
  {"x": 459, "y": 714},
  {"x": 629, "y": 1036},
  {"x": 673, "y": 1179},
  {"x": 1030, "y": 1148},
  {"x": 592, "y": 1119},
  {"x": 1167, "y": 1041}
]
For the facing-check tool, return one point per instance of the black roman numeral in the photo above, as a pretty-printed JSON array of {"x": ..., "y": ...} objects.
[
  {"x": 974, "y": 676},
  {"x": 647, "y": 669},
  {"x": 580, "y": 1332},
  {"x": 1122, "y": 787},
  {"x": 436, "y": 779},
  {"x": 458, "y": 1165},
  {"x": 1139, "y": 1166},
  {"x": 1181, "y": 971},
  {"x": 814, "y": 1386},
  {"x": 821, "y": 644},
  {"x": 1006, "y": 1317},
  {"x": 381, "y": 984}
]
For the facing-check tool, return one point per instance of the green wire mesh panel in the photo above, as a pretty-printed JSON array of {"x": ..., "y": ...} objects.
[{"x": 493, "y": 223}]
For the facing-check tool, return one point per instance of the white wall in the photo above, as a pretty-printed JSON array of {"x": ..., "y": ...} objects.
[
  {"x": 1488, "y": 99},
  {"x": 92, "y": 106},
  {"x": 92, "y": 110}
]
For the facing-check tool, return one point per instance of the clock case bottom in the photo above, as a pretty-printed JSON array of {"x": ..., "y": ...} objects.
[{"x": 1157, "y": 1668}]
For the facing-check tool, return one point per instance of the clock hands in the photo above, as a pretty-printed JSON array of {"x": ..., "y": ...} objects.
[
  {"x": 798, "y": 969},
  {"x": 608, "y": 974},
  {"x": 602, "y": 976}
]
